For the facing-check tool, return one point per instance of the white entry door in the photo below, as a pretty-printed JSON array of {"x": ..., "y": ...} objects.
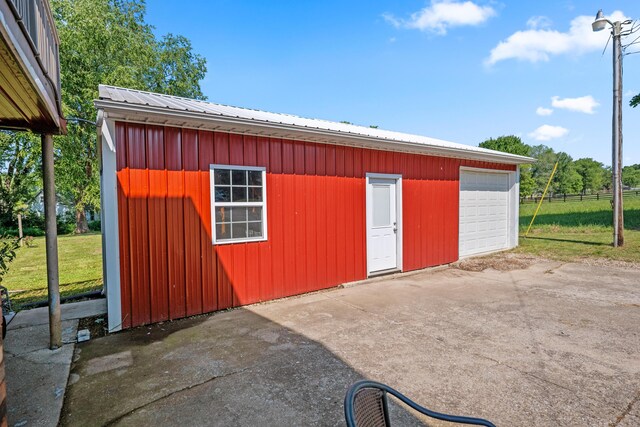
[{"x": 382, "y": 224}]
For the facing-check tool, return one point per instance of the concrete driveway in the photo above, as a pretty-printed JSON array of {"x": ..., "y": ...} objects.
[{"x": 549, "y": 345}]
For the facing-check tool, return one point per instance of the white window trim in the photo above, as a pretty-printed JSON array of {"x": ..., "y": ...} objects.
[{"x": 262, "y": 204}]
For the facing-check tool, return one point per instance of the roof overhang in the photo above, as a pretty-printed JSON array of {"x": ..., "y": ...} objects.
[
  {"x": 29, "y": 99},
  {"x": 191, "y": 119}
]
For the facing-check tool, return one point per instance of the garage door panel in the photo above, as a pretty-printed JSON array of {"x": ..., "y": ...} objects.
[{"x": 484, "y": 216}]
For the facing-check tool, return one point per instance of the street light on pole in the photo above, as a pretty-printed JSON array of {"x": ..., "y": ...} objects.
[{"x": 600, "y": 24}]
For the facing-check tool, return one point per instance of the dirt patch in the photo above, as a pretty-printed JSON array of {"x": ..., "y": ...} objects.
[
  {"x": 97, "y": 325},
  {"x": 605, "y": 262},
  {"x": 503, "y": 261}
]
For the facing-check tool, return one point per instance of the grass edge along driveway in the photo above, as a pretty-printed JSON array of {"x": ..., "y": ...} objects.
[{"x": 574, "y": 231}]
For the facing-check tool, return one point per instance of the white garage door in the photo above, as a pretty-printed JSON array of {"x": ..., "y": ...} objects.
[{"x": 484, "y": 212}]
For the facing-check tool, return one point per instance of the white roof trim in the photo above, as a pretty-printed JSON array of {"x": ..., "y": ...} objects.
[{"x": 153, "y": 108}]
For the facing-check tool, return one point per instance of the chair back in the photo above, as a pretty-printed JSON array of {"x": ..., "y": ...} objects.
[
  {"x": 365, "y": 405},
  {"x": 370, "y": 408}
]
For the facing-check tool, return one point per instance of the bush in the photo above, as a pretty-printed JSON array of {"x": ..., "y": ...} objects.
[
  {"x": 26, "y": 231},
  {"x": 9, "y": 232},
  {"x": 66, "y": 227},
  {"x": 33, "y": 220},
  {"x": 32, "y": 231},
  {"x": 8, "y": 248},
  {"x": 94, "y": 225}
]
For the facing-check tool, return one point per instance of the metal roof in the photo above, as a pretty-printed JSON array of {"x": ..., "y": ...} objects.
[{"x": 148, "y": 107}]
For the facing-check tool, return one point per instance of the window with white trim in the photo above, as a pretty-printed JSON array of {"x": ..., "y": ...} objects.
[{"x": 238, "y": 203}]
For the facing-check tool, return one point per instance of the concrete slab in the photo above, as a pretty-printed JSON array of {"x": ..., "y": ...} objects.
[
  {"x": 74, "y": 310},
  {"x": 36, "y": 377},
  {"x": 553, "y": 344}
]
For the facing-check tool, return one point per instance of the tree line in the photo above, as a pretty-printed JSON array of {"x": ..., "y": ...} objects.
[
  {"x": 101, "y": 42},
  {"x": 583, "y": 176}
]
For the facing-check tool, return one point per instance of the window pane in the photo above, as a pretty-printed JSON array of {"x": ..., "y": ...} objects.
[
  {"x": 239, "y": 194},
  {"x": 223, "y": 231},
  {"x": 239, "y": 230},
  {"x": 255, "y": 177},
  {"x": 222, "y": 177},
  {"x": 222, "y": 214},
  {"x": 239, "y": 214},
  {"x": 238, "y": 177},
  {"x": 255, "y": 213},
  {"x": 381, "y": 205},
  {"x": 255, "y": 194},
  {"x": 235, "y": 190},
  {"x": 255, "y": 229},
  {"x": 223, "y": 194}
]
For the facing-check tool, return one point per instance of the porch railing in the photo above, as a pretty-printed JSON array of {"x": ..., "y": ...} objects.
[{"x": 35, "y": 19}]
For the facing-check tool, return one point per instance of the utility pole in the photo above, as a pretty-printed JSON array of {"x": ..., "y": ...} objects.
[
  {"x": 600, "y": 24},
  {"x": 51, "y": 236},
  {"x": 618, "y": 214}
]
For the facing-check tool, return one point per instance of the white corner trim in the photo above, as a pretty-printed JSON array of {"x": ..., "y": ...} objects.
[
  {"x": 109, "y": 222},
  {"x": 108, "y": 134},
  {"x": 515, "y": 190}
]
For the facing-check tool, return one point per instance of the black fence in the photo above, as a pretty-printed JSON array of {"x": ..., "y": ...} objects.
[{"x": 578, "y": 197}]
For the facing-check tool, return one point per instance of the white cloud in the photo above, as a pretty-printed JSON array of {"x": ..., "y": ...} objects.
[
  {"x": 583, "y": 104},
  {"x": 541, "y": 111},
  {"x": 443, "y": 14},
  {"x": 540, "y": 43},
  {"x": 548, "y": 132},
  {"x": 536, "y": 22}
]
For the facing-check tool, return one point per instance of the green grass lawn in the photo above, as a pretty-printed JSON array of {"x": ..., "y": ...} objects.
[
  {"x": 80, "y": 268},
  {"x": 577, "y": 230}
]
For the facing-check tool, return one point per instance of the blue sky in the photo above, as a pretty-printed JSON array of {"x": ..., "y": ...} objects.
[{"x": 462, "y": 71}]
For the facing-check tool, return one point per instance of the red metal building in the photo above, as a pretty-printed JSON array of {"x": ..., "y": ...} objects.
[{"x": 207, "y": 207}]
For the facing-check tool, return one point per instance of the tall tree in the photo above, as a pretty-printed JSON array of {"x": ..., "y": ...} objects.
[
  {"x": 19, "y": 172},
  {"x": 635, "y": 101},
  {"x": 566, "y": 180},
  {"x": 631, "y": 176},
  {"x": 608, "y": 178},
  {"x": 592, "y": 173},
  {"x": 514, "y": 145},
  {"x": 507, "y": 144},
  {"x": 109, "y": 42},
  {"x": 542, "y": 168}
]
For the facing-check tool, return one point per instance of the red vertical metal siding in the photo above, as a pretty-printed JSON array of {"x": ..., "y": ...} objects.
[
  {"x": 316, "y": 218},
  {"x": 138, "y": 225},
  {"x": 192, "y": 221},
  {"x": 158, "y": 272},
  {"x": 122, "y": 171},
  {"x": 265, "y": 278},
  {"x": 225, "y": 296},
  {"x": 208, "y": 260},
  {"x": 175, "y": 223}
]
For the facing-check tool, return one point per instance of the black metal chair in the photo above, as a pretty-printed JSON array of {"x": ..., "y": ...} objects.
[{"x": 365, "y": 405}]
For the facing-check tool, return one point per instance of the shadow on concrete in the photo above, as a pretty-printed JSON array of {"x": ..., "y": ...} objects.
[
  {"x": 578, "y": 219},
  {"x": 582, "y": 242},
  {"x": 230, "y": 368}
]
